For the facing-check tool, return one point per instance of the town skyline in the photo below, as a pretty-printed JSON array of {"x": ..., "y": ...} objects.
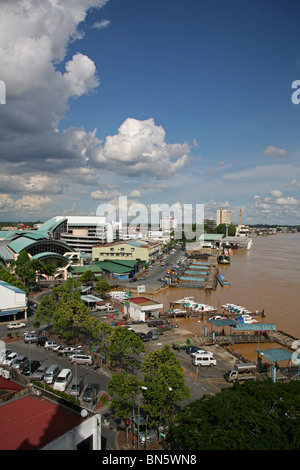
[{"x": 161, "y": 102}]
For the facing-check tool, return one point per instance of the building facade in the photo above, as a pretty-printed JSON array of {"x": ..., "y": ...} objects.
[{"x": 223, "y": 216}]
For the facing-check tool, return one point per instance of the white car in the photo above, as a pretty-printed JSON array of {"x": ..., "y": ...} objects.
[
  {"x": 49, "y": 344},
  {"x": 10, "y": 359},
  {"x": 15, "y": 324}
]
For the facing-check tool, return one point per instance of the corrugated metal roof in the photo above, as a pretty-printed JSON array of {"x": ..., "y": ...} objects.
[
  {"x": 90, "y": 298},
  {"x": 50, "y": 225},
  {"x": 255, "y": 327},
  {"x": 276, "y": 355},
  {"x": 114, "y": 268},
  {"x": 10, "y": 287},
  {"x": 223, "y": 322},
  {"x": 20, "y": 244}
]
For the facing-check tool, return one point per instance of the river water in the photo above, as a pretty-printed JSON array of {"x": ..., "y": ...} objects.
[{"x": 267, "y": 277}]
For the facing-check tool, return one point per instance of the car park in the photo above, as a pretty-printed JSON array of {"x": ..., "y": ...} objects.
[
  {"x": 15, "y": 324},
  {"x": 85, "y": 359},
  {"x": 51, "y": 373},
  {"x": 49, "y": 344},
  {"x": 29, "y": 367},
  {"x": 18, "y": 363},
  {"x": 62, "y": 380},
  {"x": 31, "y": 338},
  {"x": 77, "y": 388},
  {"x": 39, "y": 373},
  {"x": 10, "y": 359},
  {"x": 91, "y": 392}
]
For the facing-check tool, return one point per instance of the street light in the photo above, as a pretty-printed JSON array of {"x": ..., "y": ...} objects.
[{"x": 142, "y": 387}]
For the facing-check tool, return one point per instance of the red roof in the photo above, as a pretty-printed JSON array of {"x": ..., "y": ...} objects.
[
  {"x": 6, "y": 384},
  {"x": 31, "y": 422},
  {"x": 138, "y": 300}
]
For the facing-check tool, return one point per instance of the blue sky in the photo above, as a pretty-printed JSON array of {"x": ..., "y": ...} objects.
[{"x": 161, "y": 101}]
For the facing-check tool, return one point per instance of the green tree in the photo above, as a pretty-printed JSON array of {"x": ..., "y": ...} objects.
[
  {"x": 164, "y": 379},
  {"x": 123, "y": 346},
  {"x": 70, "y": 313},
  {"x": 46, "y": 310},
  {"x": 102, "y": 286},
  {"x": 253, "y": 416},
  {"x": 26, "y": 271},
  {"x": 87, "y": 277},
  {"x": 222, "y": 229},
  {"x": 123, "y": 388}
]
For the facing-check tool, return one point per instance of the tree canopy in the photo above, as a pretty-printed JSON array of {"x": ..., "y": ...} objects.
[{"x": 252, "y": 416}]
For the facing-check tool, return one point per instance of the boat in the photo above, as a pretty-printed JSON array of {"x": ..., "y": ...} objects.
[
  {"x": 222, "y": 280},
  {"x": 224, "y": 259}
]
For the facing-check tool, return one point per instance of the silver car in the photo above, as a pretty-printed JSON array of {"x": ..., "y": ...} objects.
[
  {"x": 146, "y": 434},
  {"x": 39, "y": 373}
]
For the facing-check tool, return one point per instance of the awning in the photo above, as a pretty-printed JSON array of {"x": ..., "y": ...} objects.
[
  {"x": 221, "y": 322},
  {"x": 276, "y": 355},
  {"x": 12, "y": 312},
  {"x": 90, "y": 298},
  {"x": 255, "y": 327}
]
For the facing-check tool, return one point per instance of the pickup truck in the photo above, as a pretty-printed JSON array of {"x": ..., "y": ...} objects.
[
  {"x": 240, "y": 372},
  {"x": 184, "y": 344}
]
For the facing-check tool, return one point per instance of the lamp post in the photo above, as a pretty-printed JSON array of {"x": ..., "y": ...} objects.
[
  {"x": 170, "y": 389},
  {"x": 142, "y": 387}
]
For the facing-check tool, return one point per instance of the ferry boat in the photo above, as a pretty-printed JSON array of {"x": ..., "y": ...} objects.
[{"x": 222, "y": 280}]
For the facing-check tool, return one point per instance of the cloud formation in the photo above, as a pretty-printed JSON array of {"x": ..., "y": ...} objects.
[
  {"x": 140, "y": 148},
  {"x": 272, "y": 151},
  {"x": 36, "y": 155}
]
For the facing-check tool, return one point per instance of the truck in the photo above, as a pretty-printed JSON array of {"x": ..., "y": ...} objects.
[
  {"x": 184, "y": 344},
  {"x": 241, "y": 371}
]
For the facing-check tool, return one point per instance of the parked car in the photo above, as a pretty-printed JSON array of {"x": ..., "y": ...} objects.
[
  {"x": 81, "y": 359},
  {"x": 193, "y": 349},
  {"x": 58, "y": 348},
  {"x": 143, "y": 336},
  {"x": 152, "y": 334},
  {"x": 146, "y": 434},
  {"x": 10, "y": 359},
  {"x": 91, "y": 392},
  {"x": 19, "y": 362},
  {"x": 39, "y": 373},
  {"x": 62, "y": 380},
  {"x": 49, "y": 344},
  {"x": 28, "y": 368},
  {"x": 155, "y": 322},
  {"x": 77, "y": 388},
  {"x": 31, "y": 338},
  {"x": 41, "y": 340},
  {"x": 15, "y": 324},
  {"x": 51, "y": 373},
  {"x": 69, "y": 349}
]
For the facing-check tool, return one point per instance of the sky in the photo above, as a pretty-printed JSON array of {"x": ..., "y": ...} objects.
[{"x": 161, "y": 101}]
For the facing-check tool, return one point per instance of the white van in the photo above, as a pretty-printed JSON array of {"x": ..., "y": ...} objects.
[
  {"x": 63, "y": 380},
  {"x": 204, "y": 360},
  {"x": 82, "y": 359}
]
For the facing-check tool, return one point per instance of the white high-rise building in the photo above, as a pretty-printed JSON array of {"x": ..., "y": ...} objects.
[
  {"x": 223, "y": 216},
  {"x": 168, "y": 223}
]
